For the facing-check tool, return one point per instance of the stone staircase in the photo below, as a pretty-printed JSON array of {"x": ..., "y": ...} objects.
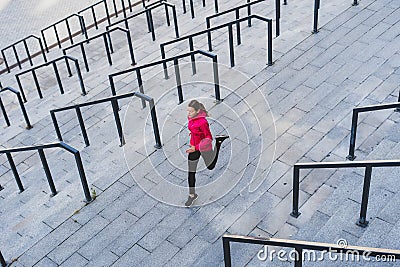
[{"x": 126, "y": 226}]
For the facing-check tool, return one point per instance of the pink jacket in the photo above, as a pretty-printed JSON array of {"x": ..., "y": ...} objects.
[{"x": 200, "y": 135}]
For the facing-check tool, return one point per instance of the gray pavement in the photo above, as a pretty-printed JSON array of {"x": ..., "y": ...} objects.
[{"x": 299, "y": 109}]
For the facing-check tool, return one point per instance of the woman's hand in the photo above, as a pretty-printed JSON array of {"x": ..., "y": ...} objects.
[{"x": 191, "y": 149}]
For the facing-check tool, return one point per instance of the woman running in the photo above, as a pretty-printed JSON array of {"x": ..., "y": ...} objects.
[{"x": 200, "y": 145}]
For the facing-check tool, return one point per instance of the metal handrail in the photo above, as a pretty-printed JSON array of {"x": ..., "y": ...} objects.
[
  {"x": 54, "y": 26},
  {"x": 2, "y": 260},
  {"x": 26, "y": 49},
  {"x": 21, "y": 104},
  {"x": 107, "y": 43},
  {"x": 354, "y": 122},
  {"x": 317, "y": 6},
  {"x": 114, "y": 103},
  {"x": 148, "y": 9},
  {"x": 229, "y": 25},
  {"x": 175, "y": 59},
  {"x": 91, "y": 7},
  {"x": 192, "y": 6},
  {"x": 368, "y": 165},
  {"x": 53, "y": 62},
  {"x": 40, "y": 149},
  {"x": 299, "y": 246},
  {"x": 248, "y": 6}
]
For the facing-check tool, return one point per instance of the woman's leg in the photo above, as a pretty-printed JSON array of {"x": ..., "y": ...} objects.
[
  {"x": 193, "y": 160},
  {"x": 211, "y": 157}
]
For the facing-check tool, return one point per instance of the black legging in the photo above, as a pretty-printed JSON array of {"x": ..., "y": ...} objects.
[{"x": 210, "y": 159}]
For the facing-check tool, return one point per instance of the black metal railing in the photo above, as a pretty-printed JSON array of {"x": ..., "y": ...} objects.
[
  {"x": 368, "y": 165},
  {"x": 2, "y": 260},
  {"x": 175, "y": 60},
  {"x": 300, "y": 246},
  {"x": 92, "y": 9},
  {"x": 354, "y": 122},
  {"x": 247, "y": 6},
  {"x": 40, "y": 149},
  {"x": 148, "y": 12},
  {"x": 317, "y": 6},
  {"x": 28, "y": 52},
  {"x": 114, "y": 104},
  {"x": 56, "y": 72},
  {"x": 21, "y": 105},
  {"x": 191, "y": 4},
  {"x": 70, "y": 35},
  {"x": 228, "y": 25},
  {"x": 107, "y": 44}
]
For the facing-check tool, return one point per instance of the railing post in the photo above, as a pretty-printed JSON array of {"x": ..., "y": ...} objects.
[
  {"x": 209, "y": 37},
  {"x": 44, "y": 40},
  {"x": 107, "y": 12},
  {"x": 2, "y": 260},
  {"x": 231, "y": 52},
  {"x": 20, "y": 88},
  {"x": 192, "y": 57},
  {"x": 296, "y": 188},
  {"x": 82, "y": 125},
  {"x": 56, "y": 127},
  {"x": 84, "y": 57},
  {"x": 277, "y": 16},
  {"x": 176, "y": 25},
  {"x": 83, "y": 27},
  {"x": 178, "y": 80},
  {"x": 130, "y": 46},
  {"x": 355, "y": 3},
  {"x": 15, "y": 172},
  {"x": 156, "y": 131},
  {"x": 79, "y": 73},
  {"x": 140, "y": 84},
  {"x": 365, "y": 195},
  {"x": 167, "y": 15},
  {"x": 239, "y": 41},
  {"x": 57, "y": 36},
  {"x": 216, "y": 79},
  {"x": 58, "y": 77},
  {"x": 37, "y": 83},
  {"x": 47, "y": 172},
  {"x": 114, "y": 104},
  {"x": 398, "y": 100},
  {"x": 94, "y": 18},
  {"x": 316, "y": 8},
  {"x": 42, "y": 49},
  {"x": 153, "y": 32},
  {"x": 82, "y": 175},
  {"x": 5, "y": 61},
  {"x": 270, "y": 62},
  {"x": 115, "y": 9},
  {"x": 69, "y": 32},
  {"x": 227, "y": 252},
  {"x": 191, "y": 8},
  {"x": 16, "y": 57},
  {"x": 24, "y": 113},
  {"x": 285, "y": 2},
  {"x": 67, "y": 64},
  {"x": 298, "y": 262},
  {"x": 27, "y": 52},
  {"x": 107, "y": 49},
  {"x": 148, "y": 20},
  {"x": 216, "y": 6},
  {"x": 184, "y": 6},
  {"x": 353, "y": 135},
  {"x": 164, "y": 63},
  {"x": 3, "y": 109},
  {"x": 249, "y": 14}
]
